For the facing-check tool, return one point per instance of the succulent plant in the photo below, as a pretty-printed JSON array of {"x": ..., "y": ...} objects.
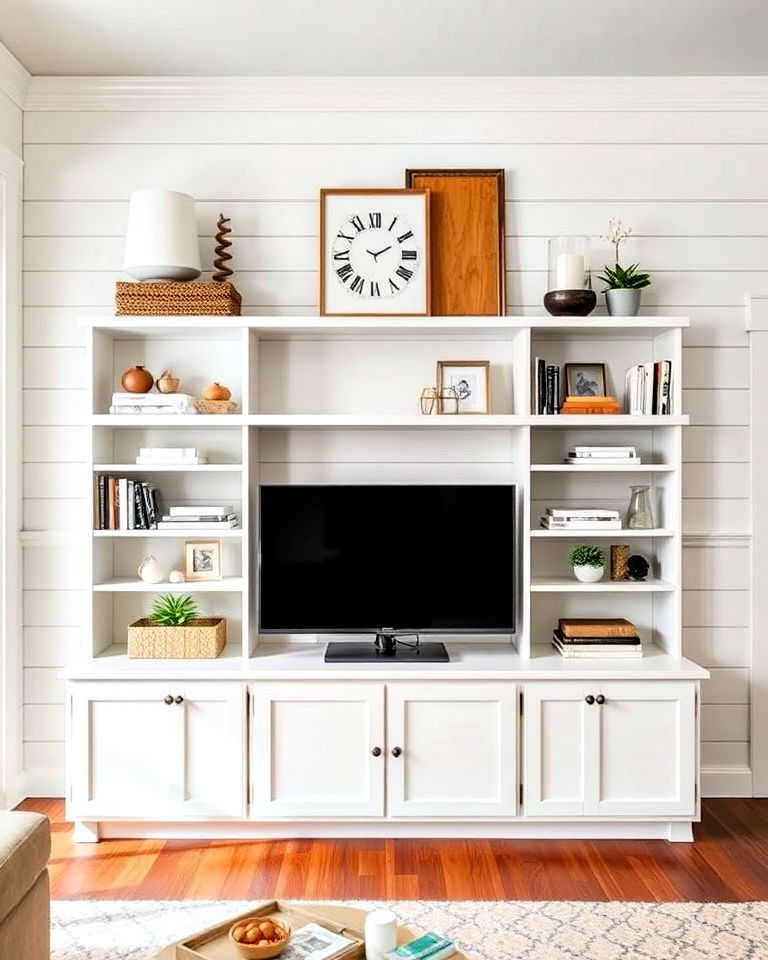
[
  {"x": 173, "y": 610},
  {"x": 587, "y": 555},
  {"x": 624, "y": 278}
]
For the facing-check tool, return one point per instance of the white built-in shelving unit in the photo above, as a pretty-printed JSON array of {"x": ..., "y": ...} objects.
[{"x": 325, "y": 400}]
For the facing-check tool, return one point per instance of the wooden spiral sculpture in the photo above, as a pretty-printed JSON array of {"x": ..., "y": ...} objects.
[{"x": 222, "y": 271}]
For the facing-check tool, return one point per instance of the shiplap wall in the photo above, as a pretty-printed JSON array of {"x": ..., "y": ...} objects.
[{"x": 691, "y": 183}]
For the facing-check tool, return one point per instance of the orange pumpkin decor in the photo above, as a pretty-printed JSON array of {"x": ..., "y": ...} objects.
[
  {"x": 137, "y": 380},
  {"x": 215, "y": 391}
]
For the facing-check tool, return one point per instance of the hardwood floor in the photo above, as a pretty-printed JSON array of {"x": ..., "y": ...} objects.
[{"x": 727, "y": 862}]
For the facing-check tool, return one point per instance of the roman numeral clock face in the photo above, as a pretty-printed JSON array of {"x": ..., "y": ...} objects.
[{"x": 375, "y": 254}]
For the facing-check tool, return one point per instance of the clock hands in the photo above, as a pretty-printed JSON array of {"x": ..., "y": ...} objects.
[{"x": 379, "y": 253}]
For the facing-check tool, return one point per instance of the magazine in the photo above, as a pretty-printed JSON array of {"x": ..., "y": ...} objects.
[{"x": 314, "y": 942}]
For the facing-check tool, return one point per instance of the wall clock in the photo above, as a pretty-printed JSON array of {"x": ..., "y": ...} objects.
[
  {"x": 467, "y": 255},
  {"x": 374, "y": 253}
]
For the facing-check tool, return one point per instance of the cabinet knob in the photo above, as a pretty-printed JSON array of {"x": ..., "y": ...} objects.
[
  {"x": 168, "y": 699},
  {"x": 179, "y": 700},
  {"x": 376, "y": 751},
  {"x": 590, "y": 699},
  {"x": 396, "y": 751},
  {"x": 600, "y": 699}
]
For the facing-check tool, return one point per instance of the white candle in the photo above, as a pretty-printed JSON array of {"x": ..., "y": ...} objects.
[
  {"x": 380, "y": 934},
  {"x": 570, "y": 272}
]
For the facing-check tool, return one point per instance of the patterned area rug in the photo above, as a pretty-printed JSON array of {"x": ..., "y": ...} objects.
[{"x": 546, "y": 930}]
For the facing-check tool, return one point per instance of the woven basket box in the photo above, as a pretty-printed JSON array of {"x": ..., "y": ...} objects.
[
  {"x": 170, "y": 299},
  {"x": 197, "y": 640}
]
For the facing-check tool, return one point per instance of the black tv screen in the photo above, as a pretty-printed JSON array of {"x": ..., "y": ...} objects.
[{"x": 356, "y": 559}]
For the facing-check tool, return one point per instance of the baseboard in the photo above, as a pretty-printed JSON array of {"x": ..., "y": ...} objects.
[
  {"x": 43, "y": 783},
  {"x": 726, "y": 781}
]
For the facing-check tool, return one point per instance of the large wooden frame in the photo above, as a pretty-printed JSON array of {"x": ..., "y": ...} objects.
[
  {"x": 425, "y": 266},
  {"x": 467, "y": 213}
]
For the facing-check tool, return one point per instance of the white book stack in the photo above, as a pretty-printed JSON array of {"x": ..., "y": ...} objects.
[
  {"x": 596, "y": 456},
  {"x": 174, "y": 456},
  {"x": 152, "y": 403},
  {"x": 201, "y": 516},
  {"x": 581, "y": 518}
]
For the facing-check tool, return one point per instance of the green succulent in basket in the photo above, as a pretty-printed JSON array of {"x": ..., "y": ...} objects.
[
  {"x": 624, "y": 278},
  {"x": 173, "y": 610},
  {"x": 587, "y": 556}
]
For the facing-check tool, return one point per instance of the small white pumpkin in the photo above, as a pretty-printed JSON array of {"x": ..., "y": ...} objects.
[
  {"x": 176, "y": 576},
  {"x": 150, "y": 570}
]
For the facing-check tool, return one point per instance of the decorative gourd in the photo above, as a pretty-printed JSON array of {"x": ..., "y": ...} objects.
[
  {"x": 150, "y": 570},
  {"x": 167, "y": 383},
  {"x": 215, "y": 391},
  {"x": 176, "y": 576},
  {"x": 137, "y": 380}
]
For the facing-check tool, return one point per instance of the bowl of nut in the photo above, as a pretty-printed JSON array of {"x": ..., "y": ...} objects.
[{"x": 260, "y": 938}]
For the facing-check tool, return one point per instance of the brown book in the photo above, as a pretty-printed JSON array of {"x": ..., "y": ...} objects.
[{"x": 596, "y": 627}]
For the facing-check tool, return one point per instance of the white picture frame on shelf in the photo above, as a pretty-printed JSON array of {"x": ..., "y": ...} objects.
[
  {"x": 203, "y": 560},
  {"x": 471, "y": 379}
]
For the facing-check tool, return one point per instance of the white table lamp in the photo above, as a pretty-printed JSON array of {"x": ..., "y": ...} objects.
[{"x": 161, "y": 240}]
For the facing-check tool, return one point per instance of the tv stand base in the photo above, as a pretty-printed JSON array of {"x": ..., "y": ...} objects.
[{"x": 367, "y": 652}]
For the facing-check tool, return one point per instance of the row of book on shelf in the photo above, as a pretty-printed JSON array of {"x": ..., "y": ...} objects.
[
  {"x": 580, "y": 518},
  {"x": 596, "y": 456},
  {"x": 125, "y": 503},
  {"x": 582, "y": 389},
  {"x": 577, "y": 638}
]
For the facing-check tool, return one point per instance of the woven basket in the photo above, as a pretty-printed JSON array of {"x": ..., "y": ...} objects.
[
  {"x": 170, "y": 299},
  {"x": 216, "y": 406},
  {"x": 198, "y": 640}
]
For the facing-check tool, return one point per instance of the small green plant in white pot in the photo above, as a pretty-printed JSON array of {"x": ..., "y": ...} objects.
[
  {"x": 588, "y": 563},
  {"x": 623, "y": 285}
]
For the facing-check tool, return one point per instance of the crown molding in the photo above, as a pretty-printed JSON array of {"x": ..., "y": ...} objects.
[
  {"x": 14, "y": 77},
  {"x": 399, "y": 94}
]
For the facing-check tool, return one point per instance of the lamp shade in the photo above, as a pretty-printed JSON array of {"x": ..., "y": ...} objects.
[{"x": 161, "y": 240}]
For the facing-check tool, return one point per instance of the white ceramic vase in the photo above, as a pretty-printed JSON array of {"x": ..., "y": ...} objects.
[
  {"x": 589, "y": 574},
  {"x": 150, "y": 570}
]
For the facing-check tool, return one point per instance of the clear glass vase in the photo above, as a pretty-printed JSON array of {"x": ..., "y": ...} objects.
[{"x": 640, "y": 513}]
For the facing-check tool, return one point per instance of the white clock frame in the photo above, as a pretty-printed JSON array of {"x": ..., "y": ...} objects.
[{"x": 352, "y": 295}]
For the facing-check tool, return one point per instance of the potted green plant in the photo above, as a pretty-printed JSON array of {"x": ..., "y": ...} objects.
[
  {"x": 588, "y": 563},
  {"x": 174, "y": 630},
  {"x": 623, "y": 285}
]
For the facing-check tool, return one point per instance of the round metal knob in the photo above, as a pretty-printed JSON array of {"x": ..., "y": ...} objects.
[
  {"x": 396, "y": 751},
  {"x": 168, "y": 699},
  {"x": 179, "y": 700},
  {"x": 376, "y": 751},
  {"x": 600, "y": 699},
  {"x": 590, "y": 699}
]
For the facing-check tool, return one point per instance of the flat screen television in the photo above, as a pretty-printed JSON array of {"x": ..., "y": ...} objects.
[{"x": 377, "y": 559}]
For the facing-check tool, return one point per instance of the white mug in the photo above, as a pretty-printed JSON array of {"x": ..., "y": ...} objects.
[{"x": 380, "y": 934}]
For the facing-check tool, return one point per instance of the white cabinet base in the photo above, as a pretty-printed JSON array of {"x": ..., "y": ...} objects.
[{"x": 675, "y": 831}]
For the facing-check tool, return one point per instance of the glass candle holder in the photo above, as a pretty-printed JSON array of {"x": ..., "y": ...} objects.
[
  {"x": 448, "y": 400},
  {"x": 569, "y": 283},
  {"x": 428, "y": 400},
  {"x": 640, "y": 513}
]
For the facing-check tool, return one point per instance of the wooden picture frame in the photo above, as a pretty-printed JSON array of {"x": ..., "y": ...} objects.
[
  {"x": 398, "y": 285},
  {"x": 596, "y": 387},
  {"x": 195, "y": 568},
  {"x": 474, "y": 397},
  {"x": 468, "y": 240}
]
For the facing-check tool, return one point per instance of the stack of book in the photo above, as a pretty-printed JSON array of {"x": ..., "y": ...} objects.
[
  {"x": 590, "y": 405},
  {"x": 123, "y": 503},
  {"x": 649, "y": 388},
  {"x": 546, "y": 390},
  {"x": 200, "y": 516},
  {"x": 596, "y": 456},
  {"x": 152, "y": 403},
  {"x": 162, "y": 456},
  {"x": 580, "y": 518},
  {"x": 585, "y": 639}
]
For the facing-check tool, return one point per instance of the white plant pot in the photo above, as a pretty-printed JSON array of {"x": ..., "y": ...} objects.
[{"x": 589, "y": 574}]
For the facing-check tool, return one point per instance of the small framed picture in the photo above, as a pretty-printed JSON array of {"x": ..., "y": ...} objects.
[
  {"x": 203, "y": 560},
  {"x": 471, "y": 381},
  {"x": 585, "y": 380}
]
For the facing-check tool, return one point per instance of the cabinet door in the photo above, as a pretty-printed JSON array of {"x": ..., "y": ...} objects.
[
  {"x": 457, "y": 748},
  {"x": 209, "y": 776},
  {"x": 647, "y": 749},
  {"x": 122, "y": 750},
  {"x": 312, "y": 749},
  {"x": 558, "y": 749}
]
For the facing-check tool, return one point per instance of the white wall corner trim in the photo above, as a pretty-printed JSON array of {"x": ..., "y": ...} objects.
[
  {"x": 399, "y": 94},
  {"x": 757, "y": 313},
  {"x": 14, "y": 78}
]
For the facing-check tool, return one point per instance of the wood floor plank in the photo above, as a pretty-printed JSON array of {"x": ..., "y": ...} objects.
[{"x": 727, "y": 862}]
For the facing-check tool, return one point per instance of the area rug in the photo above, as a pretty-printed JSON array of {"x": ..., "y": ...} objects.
[{"x": 544, "y": 930}]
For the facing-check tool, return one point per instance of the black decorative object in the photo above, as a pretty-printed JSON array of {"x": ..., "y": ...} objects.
[
  {"x": 637, "y": 567},
  {"x": 572, "y": 303}
]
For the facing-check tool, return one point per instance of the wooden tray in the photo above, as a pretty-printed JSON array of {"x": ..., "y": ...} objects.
[{"x": 214, "y": 943}]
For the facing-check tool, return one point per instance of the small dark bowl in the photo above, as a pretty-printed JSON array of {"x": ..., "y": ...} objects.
[{"x": 574, "y": 303}]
